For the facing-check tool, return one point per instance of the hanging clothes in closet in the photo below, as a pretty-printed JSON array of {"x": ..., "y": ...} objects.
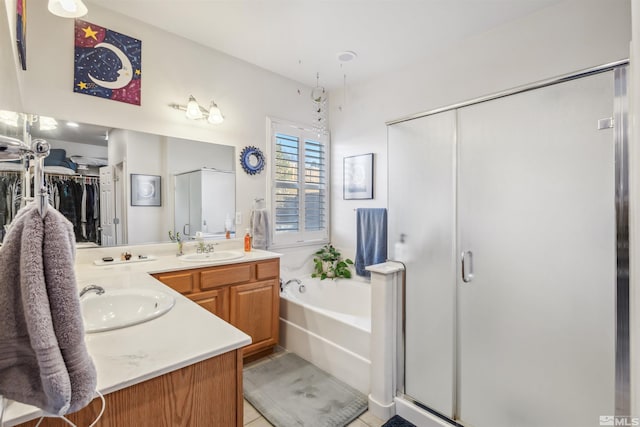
[
  {"x": 10, "y": 198},
  {"x": 76, "y": 197}
]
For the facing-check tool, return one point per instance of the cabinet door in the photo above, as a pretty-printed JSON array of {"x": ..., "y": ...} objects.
[
  {"x": 216, "y": 301},
  {"x": 254, "y": 310}
]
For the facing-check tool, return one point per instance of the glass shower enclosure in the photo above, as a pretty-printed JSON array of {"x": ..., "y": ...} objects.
[{"x": 516, "y": 307}]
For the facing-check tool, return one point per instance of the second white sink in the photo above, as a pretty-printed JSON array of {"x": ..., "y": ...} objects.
[
  {"x": 212, "y": 256},
  {"x": 120, "y": 308}
]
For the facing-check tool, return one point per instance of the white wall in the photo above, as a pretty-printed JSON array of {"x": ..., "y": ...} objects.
[
  {"x": 146, "y": 156},
  {"x": 185, "y": 156},
  {"x": 571, "y": 36},
  {"x": 77, "y": 149},
  {"x": 173, "y": 68}
]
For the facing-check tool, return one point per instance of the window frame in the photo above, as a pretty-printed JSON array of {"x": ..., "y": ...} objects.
[{"x": 301, "y": 237}]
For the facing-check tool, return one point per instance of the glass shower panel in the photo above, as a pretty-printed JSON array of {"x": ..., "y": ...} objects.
[
  {"x": 537, "y": 228},
  {"x": 422, "y": 208}
]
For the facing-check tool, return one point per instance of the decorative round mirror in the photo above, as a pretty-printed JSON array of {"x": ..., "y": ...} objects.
[{"x": 252, "y": 160}]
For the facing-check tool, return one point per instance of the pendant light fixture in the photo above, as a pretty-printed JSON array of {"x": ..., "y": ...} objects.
[
  {"x": 195, "y": 111},
  {"x": 67, "y": 8}
]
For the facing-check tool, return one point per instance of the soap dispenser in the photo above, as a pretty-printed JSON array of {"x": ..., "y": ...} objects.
[{"x": 247, "y": 241}]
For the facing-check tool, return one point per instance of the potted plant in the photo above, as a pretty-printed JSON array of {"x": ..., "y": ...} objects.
[
  {"x": 328, "y": 263},
  {"x": 178, "y": 239}
]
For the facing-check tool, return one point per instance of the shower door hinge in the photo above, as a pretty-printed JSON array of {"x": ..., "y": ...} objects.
[{"x": 606, "y": 123}]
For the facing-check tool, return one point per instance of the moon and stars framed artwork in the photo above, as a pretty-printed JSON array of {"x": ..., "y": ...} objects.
[{"x": 107, "y": 64}]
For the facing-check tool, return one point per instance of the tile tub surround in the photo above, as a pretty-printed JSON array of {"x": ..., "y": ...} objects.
[{"x": 129, "y": 356}]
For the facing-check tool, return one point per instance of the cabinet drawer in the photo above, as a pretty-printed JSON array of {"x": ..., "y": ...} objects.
[
  {"x": 267, "y": 270},
  {"x": 225, "y": 276},
  {"x": 182, "y": 282}
]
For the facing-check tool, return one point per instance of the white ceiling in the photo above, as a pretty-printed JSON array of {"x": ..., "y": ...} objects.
[{"x": 299, "y": 38}]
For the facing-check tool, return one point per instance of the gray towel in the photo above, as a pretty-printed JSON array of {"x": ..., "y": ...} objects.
[
  {"x": 260, "y": 228},
  {"x": 43, "y": 357},
  {"x": 371, "y": 239}
]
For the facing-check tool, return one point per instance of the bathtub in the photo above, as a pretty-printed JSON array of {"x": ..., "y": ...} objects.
[{"x": 328, "y": 323}]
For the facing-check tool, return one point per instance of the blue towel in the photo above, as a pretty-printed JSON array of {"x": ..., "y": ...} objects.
[{"x": 371, "y": 239}]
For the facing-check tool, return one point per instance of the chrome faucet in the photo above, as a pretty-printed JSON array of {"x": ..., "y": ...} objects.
[
  {"x": 284, "y": 286},
  {"x": 298, "y": 281},
  {"x": 205, "y": 249},
  {"x": 99, "y": 290}
]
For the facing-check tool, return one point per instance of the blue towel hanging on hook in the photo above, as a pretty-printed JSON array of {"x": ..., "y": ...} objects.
[{"x": 371, "y": 238}]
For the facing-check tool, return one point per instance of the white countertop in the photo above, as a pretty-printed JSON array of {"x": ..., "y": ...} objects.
[{"x": 124, "y": 357}]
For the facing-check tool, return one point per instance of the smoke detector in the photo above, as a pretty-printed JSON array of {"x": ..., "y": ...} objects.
[{"x": 347, "y": 56}]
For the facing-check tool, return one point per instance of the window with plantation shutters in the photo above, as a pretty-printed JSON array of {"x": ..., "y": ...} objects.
[{"x": 299, "y": 200}]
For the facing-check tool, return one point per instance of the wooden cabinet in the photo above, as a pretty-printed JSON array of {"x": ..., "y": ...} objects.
[
  {"x": 254, "y": 310},
  {"x": 207, "y": 393},
  {"x": 216, "y": 301},
  {"x": 247, "y": 295}
]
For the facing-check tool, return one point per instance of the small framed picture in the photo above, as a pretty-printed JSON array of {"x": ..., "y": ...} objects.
[
  {"x": 358, "y": 177},
  {"x": 145, "y": 190}
]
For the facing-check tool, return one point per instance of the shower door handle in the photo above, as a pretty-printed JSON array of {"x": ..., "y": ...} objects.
[{"x": 467, "y": 266}]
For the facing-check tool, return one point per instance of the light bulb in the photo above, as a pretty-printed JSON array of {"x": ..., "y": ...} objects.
[
  {"x": 215, "y": 115},
  {"x": 193, "y": 109},
  {"x": 67, "y": 8}
]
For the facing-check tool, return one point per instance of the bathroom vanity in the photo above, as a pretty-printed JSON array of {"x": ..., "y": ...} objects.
[
  {"x": 183, "y": 368},
  {"x": 247, "y": 295}
]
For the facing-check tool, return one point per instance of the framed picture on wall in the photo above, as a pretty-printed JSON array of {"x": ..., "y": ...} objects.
[
  {"x": 145, "y": 190},
  {"x": 358, "y": 177}
]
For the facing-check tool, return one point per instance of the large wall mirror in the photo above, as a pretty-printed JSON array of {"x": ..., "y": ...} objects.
[{"x": 118, "y": 186}]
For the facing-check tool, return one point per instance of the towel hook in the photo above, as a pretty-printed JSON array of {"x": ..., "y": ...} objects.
[
  {"x": 258, "y": 202},
  {"x": 40, "y": 149}
]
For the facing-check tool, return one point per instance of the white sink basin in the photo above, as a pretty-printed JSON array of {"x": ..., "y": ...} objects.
[
  {"x": 212, "y": 256},
  {"x": 119, "y": 308}
]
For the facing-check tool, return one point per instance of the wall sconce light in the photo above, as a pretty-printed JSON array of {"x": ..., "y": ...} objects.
[
  {"x": 67, "y": 8},
  {"x": 195, "y": 111}
]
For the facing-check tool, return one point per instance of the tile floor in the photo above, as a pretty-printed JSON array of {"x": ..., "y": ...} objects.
[{"x": 253, "y": 418}]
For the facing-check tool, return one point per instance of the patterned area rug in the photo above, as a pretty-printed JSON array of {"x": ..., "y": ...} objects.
[
  {"x": 289, "y": 391},
  {"x": 398, "y": 421}
]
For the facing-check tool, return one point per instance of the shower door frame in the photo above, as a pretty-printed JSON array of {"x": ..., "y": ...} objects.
[{"x": 620, "y": 124}]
